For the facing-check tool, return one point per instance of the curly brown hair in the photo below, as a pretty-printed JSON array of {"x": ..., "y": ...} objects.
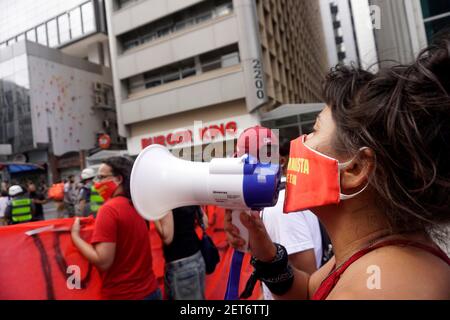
[{"x": 403, "y": 115}]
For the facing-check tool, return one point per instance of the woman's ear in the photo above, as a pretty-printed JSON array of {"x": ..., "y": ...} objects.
[
  {"x": 119, "y": 179},
  {"x": 356, "y": 176}
]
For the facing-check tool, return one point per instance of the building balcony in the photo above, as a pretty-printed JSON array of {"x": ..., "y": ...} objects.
[
  {"x": 70, "y": 31},
  {"x": 143, "y": 12},
  {"x": 211, "y": 88},
  {"x": 185, "y": 44}
]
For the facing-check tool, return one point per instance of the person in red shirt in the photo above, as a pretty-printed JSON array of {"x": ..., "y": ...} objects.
[{"x": 120, "y": 245}]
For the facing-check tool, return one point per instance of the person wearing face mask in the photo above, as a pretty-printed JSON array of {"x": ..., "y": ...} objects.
[
  {"x": 299, "y": 232},
  {"x": 375, "y": 171},
  {"x": 120, "y": 246}
]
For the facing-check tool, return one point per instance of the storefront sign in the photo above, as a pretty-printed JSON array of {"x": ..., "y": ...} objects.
[
  {"x": 206, "y": 134},
  {"x": 198, "y": 133}
]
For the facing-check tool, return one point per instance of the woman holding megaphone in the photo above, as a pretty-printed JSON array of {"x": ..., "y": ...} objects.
[{"x": 375, "y": 171}]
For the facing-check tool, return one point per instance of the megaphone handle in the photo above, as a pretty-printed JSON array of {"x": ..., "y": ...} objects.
[{"x": 243, "y": 231}]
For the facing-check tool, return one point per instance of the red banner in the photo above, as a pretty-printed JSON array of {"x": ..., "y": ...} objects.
[{"x": 42, "y": 264}]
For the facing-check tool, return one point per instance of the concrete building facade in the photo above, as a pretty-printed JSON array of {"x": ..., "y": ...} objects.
[
  {"x": 408, "y": 26},
  {"x": 349, "y": 32},
  {"x": 56, "y": 84},
  {"x": 222, "y": 63}
]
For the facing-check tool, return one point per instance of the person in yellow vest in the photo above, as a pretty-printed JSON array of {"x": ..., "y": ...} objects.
[
  {"x": 21, "y": 209},
  {"x": 89, "y": 199}
]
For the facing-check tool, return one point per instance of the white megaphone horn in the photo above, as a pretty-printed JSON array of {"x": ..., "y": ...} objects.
[{"x": 160, "y": 182}]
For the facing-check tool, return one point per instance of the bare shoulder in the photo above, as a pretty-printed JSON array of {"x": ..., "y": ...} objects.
[{"x": 395, "y": 273}]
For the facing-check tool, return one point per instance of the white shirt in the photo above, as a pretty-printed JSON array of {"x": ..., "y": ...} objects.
[{"x": 297, "y": 232}]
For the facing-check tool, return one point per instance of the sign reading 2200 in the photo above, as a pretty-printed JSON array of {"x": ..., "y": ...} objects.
[{"x": 259, "y": 80}]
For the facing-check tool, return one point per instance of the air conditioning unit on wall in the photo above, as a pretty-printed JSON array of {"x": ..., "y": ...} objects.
[
  {"x": 98, "y": 86},
  {"x": 99, "y": 100}
]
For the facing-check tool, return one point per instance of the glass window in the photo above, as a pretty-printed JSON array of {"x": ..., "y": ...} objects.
[
  {"x": 290, "y": 133},
  {"x": 212, "y": 65},
  {"x": 180, "y": 25},
  {"x": 170, "y": 77},
  {"x": 229, "y": 60},
  {"x": 42, "y": 34},
  {"x": 130, "y": 44},
  {"x": 21, "y": 37},
  {"x": 75, "y": 23},
  {"x": 435, "y": 26},
  {"x": 52, "y": 31},
  {"x": 189, "y": 22},
  {"x": 200, "y": 13},
  {"x": 149, "y": 37},
  {"x": 151, "y": 83},
  {"x": 309, "y": 117},
  {"x": 124, "y": 3},
  {"x": 64, "y": 28},
  {"x": 135, "y": 84},
  {"x": 433, "y": 8},
  {"x": 188, "y": 72},
  {"x": 31, "y": 35},
  {"x": 307, "y": 128},
  {"x": 204, "y": 17},
  {"x": 163, "y": 32},
  {"x": 88, "y": 17},
  {"x": 224, "y": 10},
  {"x": 285, "y": 121},
  {"x": 11, "y": 41}
]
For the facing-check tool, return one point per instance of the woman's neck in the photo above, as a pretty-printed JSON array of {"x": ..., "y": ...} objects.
[
  {"x": 119, "y": 191},
  {"x": 352, "y": 226}
]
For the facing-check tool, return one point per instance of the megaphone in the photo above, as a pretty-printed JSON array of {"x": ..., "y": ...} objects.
[{"x": 160, "y": 182}]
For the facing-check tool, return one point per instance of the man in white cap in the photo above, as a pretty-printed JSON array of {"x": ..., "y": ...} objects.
[
  {"x": 89, "y": 199},
  {"x": 21, "y": 208}
]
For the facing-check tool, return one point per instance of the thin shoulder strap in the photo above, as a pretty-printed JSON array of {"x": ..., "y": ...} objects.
[{"x": 330, "y": 282}]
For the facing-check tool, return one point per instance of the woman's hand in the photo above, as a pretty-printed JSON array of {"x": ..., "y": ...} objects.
[
  {"x": 260, "y": 245},
  {"x": 76, "y": 227},
  {"x": 101, "y": 255}
]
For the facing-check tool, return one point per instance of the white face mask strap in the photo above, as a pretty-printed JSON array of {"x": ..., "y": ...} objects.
[
  {"x": 351, "y": 196},
  {"x": 344, "y": 165}
]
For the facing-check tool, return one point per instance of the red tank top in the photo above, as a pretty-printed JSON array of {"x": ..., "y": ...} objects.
[{"x": 330, "y": 282}]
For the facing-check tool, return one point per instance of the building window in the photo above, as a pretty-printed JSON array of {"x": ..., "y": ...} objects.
[
  {"x": 88, "y": 15},
  {"x": 436, "y": 16},
  {"x": 31, "y": 35},
  {"x": 75, "y": 23},
  {"x": 222, "y": 58},
  {"x": 41, "y": 34},
  {"x": 52, "y": 30},
  {"x": 432, "y": 8},
  {"x": 124, "y": 3},
  {"x": 198, "y": 14},
  {"x": 434, "y": 26},
  {"x": 294, "y": 126},
  {"x": 64, "y": 28}
]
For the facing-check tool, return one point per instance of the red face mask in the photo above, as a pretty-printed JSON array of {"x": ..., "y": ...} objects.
[
  {"x": 106, "y": 189},
  {"x": 313, "y": 179}
]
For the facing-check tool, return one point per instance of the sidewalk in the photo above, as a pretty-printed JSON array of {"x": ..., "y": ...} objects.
[{"x": 50, "y": 211}]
